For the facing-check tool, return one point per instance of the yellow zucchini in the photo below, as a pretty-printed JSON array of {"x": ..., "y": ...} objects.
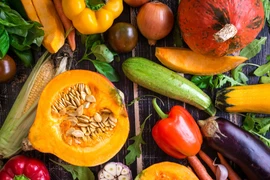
[
  {"x": 247, "y": 98},
  {"x": 45, "y": 12}
]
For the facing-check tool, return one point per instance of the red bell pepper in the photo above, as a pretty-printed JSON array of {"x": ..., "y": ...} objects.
[
  {"x": 177, "y": 134},
  {"x": 24, "y": 168}
]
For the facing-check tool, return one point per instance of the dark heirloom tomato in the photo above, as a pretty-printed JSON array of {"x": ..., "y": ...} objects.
[
  {"x": 7, "y": 69},
  {"x": 122, "y": 37}
]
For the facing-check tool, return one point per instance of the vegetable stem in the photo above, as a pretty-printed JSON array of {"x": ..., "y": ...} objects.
[{"x": 158, "y": 110}]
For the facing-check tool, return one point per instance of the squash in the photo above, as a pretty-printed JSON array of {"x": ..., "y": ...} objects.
[
  {"x": 218, "y": 28},
  {"x": 166, "y": 170},
  {"x": 186, "y": 61},
  {"x": 45, "y": 13},
  {"x": 81, "y": 118},
  {"x": 247, "y": 98}
]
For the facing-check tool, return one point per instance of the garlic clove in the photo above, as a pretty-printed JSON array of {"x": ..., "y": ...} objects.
[
  {"x": 111, "y": 168},
  {"x": 119, "y": 168},
  {"x": 221, "y": 172}
]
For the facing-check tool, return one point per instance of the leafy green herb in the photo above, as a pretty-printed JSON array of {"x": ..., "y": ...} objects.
[
  {"x": 77, "y": 172},
  {"x": 238, "y": 75},
  {"x": 4, "y": 41},
  {"x": 262, "y": 70},
  {"x": 22, "y": 34},
  {"x": 266, "y": 5},
  {"x": 253, "y": 48},
  {"x": 94, "y": 45},
  {"x": 203, "y": 82},
  {"x": 134, "y": 149},
  {"x": 217, "y": 81},
  {"x": 258, "y": 126}
]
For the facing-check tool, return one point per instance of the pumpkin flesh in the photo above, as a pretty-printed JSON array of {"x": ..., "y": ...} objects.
[
  {"x": 200, "y": 20},
  {"x": 186, "y": 61},
  {"x": 167, "y": 171},
  {"x": 54, "y": 130}
]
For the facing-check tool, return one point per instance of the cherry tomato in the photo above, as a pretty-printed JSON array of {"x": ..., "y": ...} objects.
[
  {"x": 7, "y": 69},
  {"x": 122, "y": 37}
]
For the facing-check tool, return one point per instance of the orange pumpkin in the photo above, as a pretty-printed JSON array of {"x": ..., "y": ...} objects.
[
  {"x": 220, "y": 27},
  {"x": 81, "y": 118},
  {"x": 166, "y": 170}
]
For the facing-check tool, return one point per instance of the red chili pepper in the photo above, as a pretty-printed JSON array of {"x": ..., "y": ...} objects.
[
  {"x": 24, "y": 168},
  {"x": 177, "y": 134}
]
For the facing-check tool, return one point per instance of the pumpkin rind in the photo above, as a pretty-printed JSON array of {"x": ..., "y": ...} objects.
[
  {"x": 200, "y": 20},
  {"x": 47, "y": 134}
]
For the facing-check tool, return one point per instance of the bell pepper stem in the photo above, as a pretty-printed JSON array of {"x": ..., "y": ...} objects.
[
  {"x": 21, "y": 177},
  {"x": 158, "y": 110}
]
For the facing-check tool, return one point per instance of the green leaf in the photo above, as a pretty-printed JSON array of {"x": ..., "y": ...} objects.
[
  {"x": 266, "y": 5},
  {"x": 262, "y": 70},
  {"x": 134, "y": 149},
  {"x": 91, "y": 40},
  {"x": 258, "y": 126},
  {"x": 4, "y": 42},
  {"x": 107, "y": 70},
  {"x": 77, "y": 172},
  {"x": 264, "y": 80},
  {"x": 222, "y": 79},
  {"x": 102, "y": 53},
  {"x": 253, "y": 48},
  {"x": 202, "y": 82}
]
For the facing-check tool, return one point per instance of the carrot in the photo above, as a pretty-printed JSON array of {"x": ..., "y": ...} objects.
[
  {"x": 208, "y": 161},
  {"x": 66, "y": 23},
  {"x": 198, "y": 167},
  {"x": 231, "y": 173}
]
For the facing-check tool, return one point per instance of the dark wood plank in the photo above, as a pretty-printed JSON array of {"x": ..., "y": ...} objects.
[{"x": 138, "y": 111}]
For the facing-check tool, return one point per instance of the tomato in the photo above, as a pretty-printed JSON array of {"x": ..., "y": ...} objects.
[
  {"x": 122, "y": 37},
  {"x": 7, "y": 69}
]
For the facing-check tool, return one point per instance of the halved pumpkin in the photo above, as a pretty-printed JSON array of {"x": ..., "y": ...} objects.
[
  {"x": 187, "y": 61},
  {"x": 168, "y": 171},
  {"x": 81, "y": 118}
]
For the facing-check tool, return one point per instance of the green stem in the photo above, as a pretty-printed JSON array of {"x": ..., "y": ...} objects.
[
  {"x": 21, "y": 177},
  {"x": 158, "y": 110}
]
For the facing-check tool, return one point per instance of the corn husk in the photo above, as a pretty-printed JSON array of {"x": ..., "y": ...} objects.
[{"x": 22, "y": 114}]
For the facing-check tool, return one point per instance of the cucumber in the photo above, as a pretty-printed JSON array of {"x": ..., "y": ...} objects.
[{"x": 164, "y": 81}]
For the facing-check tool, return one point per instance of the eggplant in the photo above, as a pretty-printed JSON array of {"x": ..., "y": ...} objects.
[{"x": 243, "y": 148}]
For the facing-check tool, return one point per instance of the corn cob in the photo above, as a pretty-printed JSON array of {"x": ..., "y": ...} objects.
[{"x": 22, "y": 114}]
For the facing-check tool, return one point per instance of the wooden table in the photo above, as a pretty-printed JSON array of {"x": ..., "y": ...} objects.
[{"x": 137, "y": 112}]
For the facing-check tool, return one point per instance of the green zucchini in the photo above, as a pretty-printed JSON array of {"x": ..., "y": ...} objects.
[{"x": 160, "y": 79}]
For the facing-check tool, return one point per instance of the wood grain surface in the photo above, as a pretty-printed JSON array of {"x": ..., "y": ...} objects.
[{"x": 138, "y": 111}]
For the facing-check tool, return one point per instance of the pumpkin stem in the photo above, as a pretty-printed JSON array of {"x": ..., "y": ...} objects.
[{"x": 227, "y": 32}]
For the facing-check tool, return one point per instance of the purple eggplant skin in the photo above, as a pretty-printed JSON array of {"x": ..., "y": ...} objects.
[{"x": 238, "y": 145}]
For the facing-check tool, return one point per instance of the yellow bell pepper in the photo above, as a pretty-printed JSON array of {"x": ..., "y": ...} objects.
[{"x": 88, "y": 21}]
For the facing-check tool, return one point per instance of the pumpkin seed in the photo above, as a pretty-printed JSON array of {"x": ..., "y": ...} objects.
[
  {"x": 70, "y": 131},
  {"x": 87, "y": 90},
  {"x": 113, "y": 119},
  {"x": 82, "y": 125},
  {"x": 83, "y": 120},
  {"x": 105, "y": 116},
  {"x": 105, "y": 110},
  {"x": 79, "y": 110},
  {"x": 77, "y": 133},
  {"x": 86, "y": 105},
  {"x": 97, "y": 117},
  {"x": 83, "y": 95},
  {"x": 90, "y": 98},
  {"x": 77, "y": 101}
]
